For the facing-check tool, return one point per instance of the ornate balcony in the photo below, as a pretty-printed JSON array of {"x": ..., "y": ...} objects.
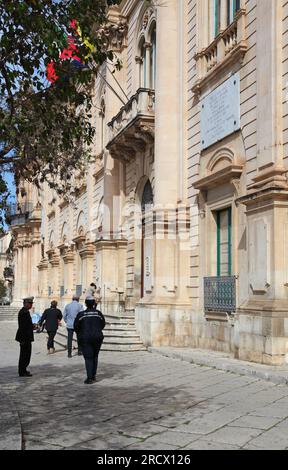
[
  {"x": 19, "y": 214},
  {"x": 220, "y": 294},
  {"x": 132, "y": 129},
  {"x": 228, "y": 47}
]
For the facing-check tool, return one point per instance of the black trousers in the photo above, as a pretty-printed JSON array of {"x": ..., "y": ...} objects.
[
  {"x": 90, "y": 352},
  {"x": 24, "y": 358},
  {"x": 70, "y": 332},
  {"x": 51, "y": 336}
]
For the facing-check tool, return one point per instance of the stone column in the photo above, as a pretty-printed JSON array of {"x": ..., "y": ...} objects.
[
  {"x": 167, "y": 105},
  {"x": 263, "y": 327},
  {"x": 111, "y": 270},
  {"x": 87, "y": 255},
  {"x": 269, "y": 88},
  {"x": 138, "y": 61},
  {"x": 55, "y": 262},
  {"x": 43, "y": 284},
  {"x": 148, "y": 48},
  {"x": 20, "y": 270},
  {"x": 69, "y": 260},
  {"x": 17, "y": 299}
]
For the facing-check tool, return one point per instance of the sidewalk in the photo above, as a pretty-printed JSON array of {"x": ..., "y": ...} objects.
[
  {"x": 164, "y": 398},
  {"x": 226, "y": 362},
  {"x": 10, "y": 426}
]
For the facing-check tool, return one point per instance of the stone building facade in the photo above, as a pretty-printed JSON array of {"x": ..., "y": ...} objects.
[
  {"x": 183, "y": 214},
  {"x": 6, "y": 267}
]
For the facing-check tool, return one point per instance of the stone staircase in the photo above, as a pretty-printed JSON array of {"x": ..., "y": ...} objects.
[
  {"x": 8, "y": 313},
  {"x": 120, "y": 335}
]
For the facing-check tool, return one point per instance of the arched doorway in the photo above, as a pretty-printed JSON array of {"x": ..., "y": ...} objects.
[{"x": 147, "y": 236}]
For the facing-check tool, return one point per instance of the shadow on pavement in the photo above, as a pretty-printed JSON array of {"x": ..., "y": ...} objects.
[{"x": 57, "y": 409}]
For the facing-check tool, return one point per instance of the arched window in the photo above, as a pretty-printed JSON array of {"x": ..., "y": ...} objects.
[
  {"x": 102, "y": 124},
  {"x": 142, "y": 64},
  {"x": 147, "y": 197},
  {"x": 146, "y": 49}
]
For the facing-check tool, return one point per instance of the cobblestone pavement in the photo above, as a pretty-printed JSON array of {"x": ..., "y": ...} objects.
[{"x": 141, "y": 401}]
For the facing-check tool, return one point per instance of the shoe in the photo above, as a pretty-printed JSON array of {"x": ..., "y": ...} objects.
[
  {"x": 94, "y": 379},
  {"x": 69, "y": 355},
  {"x": 80, "y": 354},
  {"x": 26, "y": 374},
  {"x": 88, "y": 381}
]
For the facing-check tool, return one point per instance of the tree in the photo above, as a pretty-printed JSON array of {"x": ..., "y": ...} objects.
[
  {"x": 4, "y": 193},
  {"x": 3, "y": 290},
  {"x": 45, "y": 128}
]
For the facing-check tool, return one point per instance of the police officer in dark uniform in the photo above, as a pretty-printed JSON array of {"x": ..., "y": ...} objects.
[
  {"x": 25, "y": 336},
  {"x": 88, "y": 326}
]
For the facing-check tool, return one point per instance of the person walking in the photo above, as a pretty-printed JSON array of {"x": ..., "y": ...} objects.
[
  {"x": 89, "y": 325},
  {"x": 94, "y": 292},
  {"x": 25, "y": 337},
  {"x": 70, "y": 312},
  {"x": 51, "y": 316}
]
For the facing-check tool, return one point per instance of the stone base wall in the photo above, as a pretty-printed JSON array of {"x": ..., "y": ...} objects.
[
  {"x": 170, "y": 326},
  {"x": 254, "y": 338},
  {"x": 263, "y": 339}
]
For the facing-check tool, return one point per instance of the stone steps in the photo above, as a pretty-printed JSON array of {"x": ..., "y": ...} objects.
[
  {"x": 119, "y": 335},
  {"x": 8, "y": 313}
]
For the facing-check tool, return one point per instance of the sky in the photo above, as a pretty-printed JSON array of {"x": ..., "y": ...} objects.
[{"x": 9, "y": 178}]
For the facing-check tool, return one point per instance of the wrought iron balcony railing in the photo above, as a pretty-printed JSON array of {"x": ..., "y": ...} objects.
[
  {"x": 18, "y": 213},
  {"x": 220, "y": 294}
]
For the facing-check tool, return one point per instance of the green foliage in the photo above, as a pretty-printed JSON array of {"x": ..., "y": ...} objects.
[
  {"x": 45, "y": 130},
  {"x": 3, "y": 289},
  {"x": 3, "y": 203}
]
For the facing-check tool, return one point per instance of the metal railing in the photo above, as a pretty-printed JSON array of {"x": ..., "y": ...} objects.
[
  {"x": 18, "y": 213},
  {"x": 220, "y": 294}
]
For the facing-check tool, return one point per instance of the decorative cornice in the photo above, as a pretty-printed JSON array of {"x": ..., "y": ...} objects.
[
  {"x": 55, "y": 260},
  {"x": 64, "y": 203},
  {"x": 225, "y": 175},
  {"x": 43, "y": 265},
  {"x": 51, "y": 214},
  {"x": 68, "y": 256},
  {"x": 87, "y": 251},
  {"x": 114, "y": 33}
]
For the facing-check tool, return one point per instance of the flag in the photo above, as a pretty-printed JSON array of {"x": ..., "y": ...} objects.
[{"x": 69, "y": 52}]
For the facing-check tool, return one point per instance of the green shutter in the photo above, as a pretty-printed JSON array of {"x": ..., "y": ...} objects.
[
  {"x": 217, "y": 13},
  {"x": 236, "y": 7},
  {"x": 218, "y": 220},
  {"x": 218, "y": 243},
  {"x": 229, "y": 242},
  {"x": 228, "y": 12}
]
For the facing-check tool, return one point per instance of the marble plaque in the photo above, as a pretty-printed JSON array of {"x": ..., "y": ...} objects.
[{"x": 220, "y": 112}]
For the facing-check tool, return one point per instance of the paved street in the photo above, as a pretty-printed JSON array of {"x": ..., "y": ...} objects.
[{"x": 141, "y": 401}]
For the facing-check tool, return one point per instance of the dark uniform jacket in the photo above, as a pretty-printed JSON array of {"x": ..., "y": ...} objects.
[
  {"x": 89, "y": 325},
  {"x": 51, "y": 317},
  {"x": 25, "y": 327}
]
